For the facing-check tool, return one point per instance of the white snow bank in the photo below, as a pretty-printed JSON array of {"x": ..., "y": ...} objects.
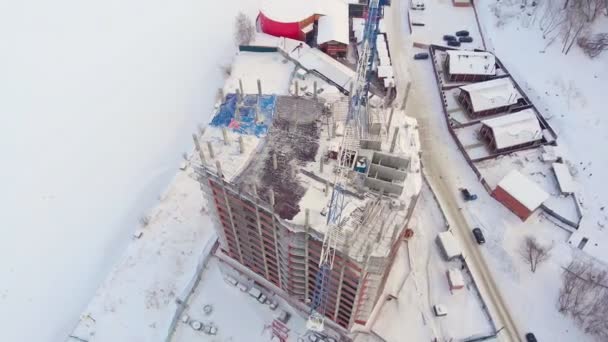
[{"x": 137, "y": 300}]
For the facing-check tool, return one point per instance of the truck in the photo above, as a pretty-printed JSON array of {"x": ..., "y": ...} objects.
[{"x": 448, "y": 245}]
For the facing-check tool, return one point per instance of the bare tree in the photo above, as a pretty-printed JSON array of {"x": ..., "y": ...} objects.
[
  {"x": 593, "y": 45},
  {"x": 244, "y": 30},
  {"x": 534, "y": 253},
  {"x": 584, "y": 296}
]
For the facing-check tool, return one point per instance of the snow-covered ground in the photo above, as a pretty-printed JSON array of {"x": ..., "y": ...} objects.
[
  {"x": 237, "y": 315},
  {"x": 424, "y": 284},
  {"x": 570, "y": 91},
  {"x": 530, "y": 298},
  {"x": 136, "y": 302},
  {"x": 98, "y": 102}
]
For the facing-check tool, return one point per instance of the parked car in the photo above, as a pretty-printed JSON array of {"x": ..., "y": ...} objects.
[
  {"x": 467, "y": 195},
  {"x": 421, "y": 55},
  {"x": 449, "y": 37},
  {"x": 440, "y": 310},
  {"x": 466, "y": 39},
  {"x": 478, "y": 234},
  {"x": 530, "y": 337},
  {"x": 453, "y": 43},
  {"x": 417, "y": 5},
  {"x": 462, "y": 33}
]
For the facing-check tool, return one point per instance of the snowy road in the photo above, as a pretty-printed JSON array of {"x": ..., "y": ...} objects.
[{"x": 424, "y": 104}]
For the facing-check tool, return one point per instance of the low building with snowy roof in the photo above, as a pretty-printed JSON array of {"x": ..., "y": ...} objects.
[
  {"x": 469, "y": 66},
  {"x": 449, "y": 245},
  {"x": 489, "y": 97},
  {"x": 295, "y": 19},
  {"x": 519, "y": 194},
  {"x": 512, "y": 131},
  {"x": 564, "y": 178}
]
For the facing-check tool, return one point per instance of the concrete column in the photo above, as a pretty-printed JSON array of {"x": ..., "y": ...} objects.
[
  {"x": 306, "y": 235},
  {"x": 225, "y": 135},
  {"x": 236, "y": 237},
  {"x": 321, "y": 165},
  {"x": 218, "y": 166},
  {"x": 210, "y": 148},
  {"x": 326, "y": 188},
  {"x": 341, "y": 281},
  {"x": 314, "y": 90},
  {"x": 197, "y": 146},
  {"x": 355, "y": 310},
  {"x": 275, "y": 164},
  {"x": 259, "y": 87},
  {"x": 241, "y": 87},
  {"x": 239, "y": 96},
  {"x": 276, "y": 239},
  {"x": 259, "y": 226},
  {"x": 297, "y": 90},
  {"x": 394, "y": 139},
  {"x": 390, "y": 120},
  {"x": 241, "y": 145}
]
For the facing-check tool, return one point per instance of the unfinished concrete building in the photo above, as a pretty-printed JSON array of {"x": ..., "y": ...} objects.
[{"x": 268, "y": 167}]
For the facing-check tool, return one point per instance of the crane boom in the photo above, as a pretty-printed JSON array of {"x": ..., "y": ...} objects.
[{"x": 355, "y": 126}]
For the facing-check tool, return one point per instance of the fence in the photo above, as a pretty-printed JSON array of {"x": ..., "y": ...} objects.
[
  {"x": 257, "y": 48},
  {"x": 182, "y": 299}
]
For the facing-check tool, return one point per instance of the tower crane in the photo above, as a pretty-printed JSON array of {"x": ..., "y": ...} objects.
[{"x": 356, "y": 126}]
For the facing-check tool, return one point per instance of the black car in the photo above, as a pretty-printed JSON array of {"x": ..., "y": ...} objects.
[
  {"x": 453, "y": 43},
  {"x": 478, "y": 234},
  {"x": 530, "y": 337},
  {"x": 466, "y": 39},
  {"x": 421, "y": 55},
  {"x": 467, "y": 195},
  {"x": 462, "y": 33},
  {"x": 449, "y": 38}
]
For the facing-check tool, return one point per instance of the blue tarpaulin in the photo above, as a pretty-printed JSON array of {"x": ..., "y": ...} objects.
[{"x": 245, "y": 123}]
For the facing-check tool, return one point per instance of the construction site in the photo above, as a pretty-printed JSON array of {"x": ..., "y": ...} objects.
[{"x": 312, "y": 191}]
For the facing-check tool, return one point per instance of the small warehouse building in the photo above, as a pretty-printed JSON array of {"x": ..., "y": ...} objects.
[
  {"x": 455, "y": 279},
  {"x": 564, "y": 178},
  {"x": 490, "y": 97},
  {"x": 469, "y": 66},
  {"x": 449, "y": 245},
  {"x": 461, "y": 3},
  {"x": 511, "y": 132},
  {"x": 519, "y": 194},
  {"x": 322, "y": 23}
]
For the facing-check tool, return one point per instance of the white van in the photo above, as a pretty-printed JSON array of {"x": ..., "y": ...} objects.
[{"x": 418, "y": 4}]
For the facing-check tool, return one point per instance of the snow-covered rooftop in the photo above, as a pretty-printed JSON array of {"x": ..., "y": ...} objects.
[
  {"x": 314, "y": 59},
  {"x": 333, "y": 21},
  {"x": 463, "y": 62},
  {"x": 492, "y": 94},
  {"x": 564, "y": 178},
  {"x": 290, "y": 11},
  {"x": 333, "y": 25},
  {"x": 515, "y": 129},
  {"x": 525, "y": 191}
]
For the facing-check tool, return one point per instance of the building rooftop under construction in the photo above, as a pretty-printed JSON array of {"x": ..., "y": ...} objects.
[{"x": 269, "y": 165}]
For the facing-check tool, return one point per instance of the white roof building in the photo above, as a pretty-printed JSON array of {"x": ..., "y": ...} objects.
[
  {"x": 496, "y": 93},
  {"x": 515, "y": 129},
  {"x": 463, "y": 62},
  {"x": 525, "y": 191},
  {"x": 333, "y": 23},
  {"x": 564, "y": 178},
  {"x": 449, "y": 244}
]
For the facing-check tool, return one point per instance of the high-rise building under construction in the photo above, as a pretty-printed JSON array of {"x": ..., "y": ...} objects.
[{"x": 268, "y": 170}]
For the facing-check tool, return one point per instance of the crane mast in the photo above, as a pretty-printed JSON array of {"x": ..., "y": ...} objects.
[{"x": 356, "y": 126}]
